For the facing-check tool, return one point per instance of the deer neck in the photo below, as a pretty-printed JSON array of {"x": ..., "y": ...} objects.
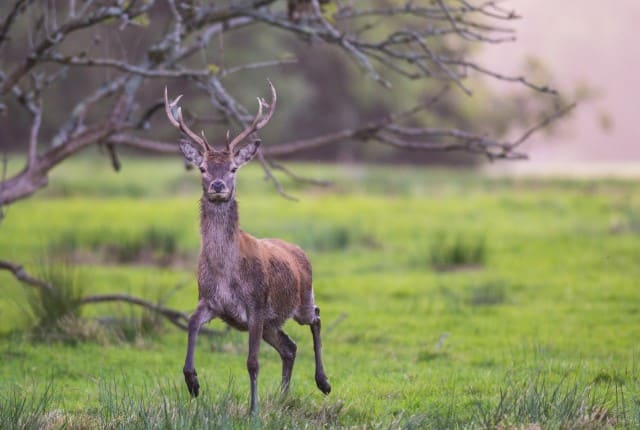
[{"x": 219, "y": 230}]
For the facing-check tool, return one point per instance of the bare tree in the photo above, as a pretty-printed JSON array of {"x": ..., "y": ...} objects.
[{"x": 423, "y": 40}]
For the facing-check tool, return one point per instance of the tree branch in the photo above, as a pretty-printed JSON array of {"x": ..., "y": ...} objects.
[
  {"x": 142, "y": 143},
  {"x": 21, "y": 275},
  {"x": 18, "y": 7},
  {"x": 178, "y": 318},
  {"x": 33, "y": 137},
  {"x": 258, "y": 65},
  {"x": 124, "y": 67},
  {"x": 74, "y": 24}
]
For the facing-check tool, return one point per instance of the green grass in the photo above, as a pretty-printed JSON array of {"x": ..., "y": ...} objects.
[{"x": 535, "y": 320}]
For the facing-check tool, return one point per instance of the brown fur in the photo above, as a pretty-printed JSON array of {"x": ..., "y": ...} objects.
[{"x": 252, "y": 284}]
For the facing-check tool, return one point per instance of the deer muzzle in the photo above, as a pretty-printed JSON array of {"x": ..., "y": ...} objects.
[{"x": 218, "y": 192}]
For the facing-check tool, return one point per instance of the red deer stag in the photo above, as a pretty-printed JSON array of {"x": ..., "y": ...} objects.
[{"x": 251, "y": 284}]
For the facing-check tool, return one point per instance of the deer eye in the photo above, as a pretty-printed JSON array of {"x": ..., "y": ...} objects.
[
  {"x": 233, "y": 169},
  {"x": 201, "y": 169}
]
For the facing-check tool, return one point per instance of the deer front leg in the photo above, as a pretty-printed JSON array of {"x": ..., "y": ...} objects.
[
  {"x": 255, "y": 336},
  {"x": 202, "y": 315},
  {"x": 321, "y": 378}
]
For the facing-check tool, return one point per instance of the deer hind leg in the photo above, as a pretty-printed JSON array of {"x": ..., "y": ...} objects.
[
  {"x": 202, "y": 315},
  {"x": 286, "y": 347},
  {"x": 321, "y": 378}
]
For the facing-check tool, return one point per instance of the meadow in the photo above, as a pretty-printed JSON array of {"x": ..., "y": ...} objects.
[{"x": 449, "y": 299}]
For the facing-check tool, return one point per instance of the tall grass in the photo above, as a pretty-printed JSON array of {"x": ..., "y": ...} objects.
[
  {"x": 538, "y": 401},
  {"x": 22, "y": 409},
  {"x": 48, "y": 306},
  {"x": 531, "y": 401}
]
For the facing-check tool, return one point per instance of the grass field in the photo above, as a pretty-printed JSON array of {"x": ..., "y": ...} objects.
[{"x": 449, "y": 300}]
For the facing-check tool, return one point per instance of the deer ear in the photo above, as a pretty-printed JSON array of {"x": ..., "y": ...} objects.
[
  {"x": 191, "y": 154},
  {"x": 246, "y": 153}
]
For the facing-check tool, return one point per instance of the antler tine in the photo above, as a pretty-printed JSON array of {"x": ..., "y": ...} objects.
[
  {"x": 247, "y": 131},
  {"x": 206, "y": 141},
  {"x": 259, "y": 121},
  {"x": 179, "y": 122}
]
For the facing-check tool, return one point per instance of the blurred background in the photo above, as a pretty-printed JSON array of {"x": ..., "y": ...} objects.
[
  {"x": 588, "y": 57},
  {"x": 589, "y": 53}
]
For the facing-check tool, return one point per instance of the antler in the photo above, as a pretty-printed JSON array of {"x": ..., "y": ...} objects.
[
  {"x": 259, "y": 121},
  {"x": 179, "y": 123}
]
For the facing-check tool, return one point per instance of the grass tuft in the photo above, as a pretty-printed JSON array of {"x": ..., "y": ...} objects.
[
  {"x": 459, "y": 251},
  {"x": 53, "y": 308},
  {"x": 25, "y": 409},
  {"x": 555, "y": 405}
]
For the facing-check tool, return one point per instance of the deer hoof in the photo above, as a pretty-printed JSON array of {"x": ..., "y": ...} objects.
[
  {"x": 323, "y": 384},
  {"x": 191, "y": 378}
]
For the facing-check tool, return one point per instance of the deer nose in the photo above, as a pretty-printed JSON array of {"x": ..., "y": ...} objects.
[{"x": 218, "y": 186}]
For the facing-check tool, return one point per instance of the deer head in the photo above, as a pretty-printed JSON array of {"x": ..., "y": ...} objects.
[{"x": 218, "y": 166}]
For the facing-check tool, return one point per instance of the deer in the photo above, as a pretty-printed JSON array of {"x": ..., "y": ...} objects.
[{"x": 252, "y": 284}]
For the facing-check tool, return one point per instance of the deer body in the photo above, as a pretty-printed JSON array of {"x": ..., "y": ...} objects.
[
  {"x": 252, "y": 284},
  {"x": 239, "y": 274}
]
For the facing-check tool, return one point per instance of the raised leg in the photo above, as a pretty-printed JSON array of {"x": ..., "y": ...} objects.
[
  {"x": 201, "y": 316},
  {"x": 286, "y": 348},
  {"x": 255, "y": 336},
  {"x": 321, "y": 379}
]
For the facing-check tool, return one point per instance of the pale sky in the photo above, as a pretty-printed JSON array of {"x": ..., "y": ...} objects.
[{"x": 582, "y": 40}]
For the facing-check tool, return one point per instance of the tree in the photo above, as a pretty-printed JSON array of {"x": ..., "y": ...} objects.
[{"x": 114, "y": 91}]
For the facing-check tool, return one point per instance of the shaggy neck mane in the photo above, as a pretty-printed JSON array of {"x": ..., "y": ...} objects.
[{"x": 219, "y": 225}]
